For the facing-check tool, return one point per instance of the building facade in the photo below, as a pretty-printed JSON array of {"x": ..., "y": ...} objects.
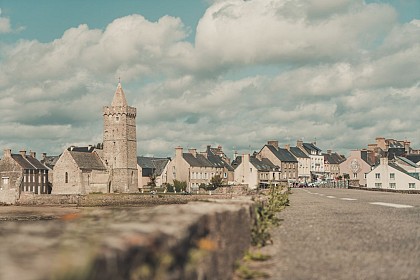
[
  {"x": 23, "y": 173},
  {"x": 388, "y": 175},
  {"x": 357, "y": 166},
  {"x": 120, "y": 143}
]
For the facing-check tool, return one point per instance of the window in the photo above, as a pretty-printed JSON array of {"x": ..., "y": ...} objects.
[
  {"x": 5, "y": 181},
  {"x": 392, "y": 186},
  {"x": 66, "y": 177},
  {"x": 354, "y": 175},
  {"x": 225, "y": 175},
  {"x": 378, "y": 185},
  {"x": 411, "y": 185},
  {"x": 392, "y": 176},
  {"x": 377, "y": 175}
]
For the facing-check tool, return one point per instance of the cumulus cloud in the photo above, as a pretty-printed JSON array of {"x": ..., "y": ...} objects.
[{"x": 337, "y": 71}]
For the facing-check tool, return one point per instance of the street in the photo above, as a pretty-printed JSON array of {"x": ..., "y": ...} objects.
[{"x": 346, "y": 234}]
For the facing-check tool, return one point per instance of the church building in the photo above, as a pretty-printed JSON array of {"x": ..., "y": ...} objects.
[{"x": 112, "y": 169}]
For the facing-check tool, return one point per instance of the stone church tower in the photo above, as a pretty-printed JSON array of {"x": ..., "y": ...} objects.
[{"x": 120, "y": 144}]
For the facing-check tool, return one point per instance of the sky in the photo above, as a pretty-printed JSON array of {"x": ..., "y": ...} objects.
[{"x": 234, "y": 73}]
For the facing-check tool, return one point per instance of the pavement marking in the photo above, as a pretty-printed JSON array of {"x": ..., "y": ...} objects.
[
  {"x": 391, "y": 205},
  {"x": 348, "y": 198},
  {"x": 330, "y": 196}
]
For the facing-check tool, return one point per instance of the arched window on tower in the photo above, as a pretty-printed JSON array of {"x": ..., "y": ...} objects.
[{"x": 66, "y": 179}]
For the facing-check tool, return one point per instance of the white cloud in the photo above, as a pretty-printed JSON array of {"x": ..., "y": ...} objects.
[{"x": 340, "y": 70}]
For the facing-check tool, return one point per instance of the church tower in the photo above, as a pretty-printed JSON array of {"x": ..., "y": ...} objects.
[{"x": 120, "y": 144}]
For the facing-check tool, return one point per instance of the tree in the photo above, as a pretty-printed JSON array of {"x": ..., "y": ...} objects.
[
  {"x": 216, "y": 181},
  {"x": 180, "y": 186}
]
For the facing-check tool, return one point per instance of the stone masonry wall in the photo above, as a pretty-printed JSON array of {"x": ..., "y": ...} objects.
[{"x": 198, "y": 240}]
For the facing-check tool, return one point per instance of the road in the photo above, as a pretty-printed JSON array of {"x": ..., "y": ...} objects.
[{"x": 346, "y": 234}]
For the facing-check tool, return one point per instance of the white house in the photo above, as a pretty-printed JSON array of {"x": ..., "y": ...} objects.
[
  {"x": 255, "y": 172},
  {"x": 388, "y": 175}
]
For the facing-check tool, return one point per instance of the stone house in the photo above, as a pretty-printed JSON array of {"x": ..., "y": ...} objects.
[
  {"x": 317, "y": 159},
  {"x": 388, "y": 175},
  {"x": 194, "y": 168},
  {"x": 283, "y": 158},
  {"x": 151, "y": 167},
  {"x": 357, "y": 166},
  {"x": 256, "y": 172},
  {"x": 23, "y": 173},
  {"x": 332, "y": 165},
  {"x": 304, "y": 164},
  {"x": 219, "y": 159},
  {"x": 80, "y": 170}
]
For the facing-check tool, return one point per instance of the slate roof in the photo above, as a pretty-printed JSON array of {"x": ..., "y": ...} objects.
[
  {"x": 298, "y": 153},
  {"x": 216, "y": 160},
  {"x": 199, "y": 161},
  {"x": 395, "y": 152},
  {"x": 28, "y": 162},
  {"x": 311, "y": 147},
  {"x": 282, "y": 154},
  {"x": 414, "y": 158},
  {"x": 333, "y": 158},
  {"x": 263, "y": 165},
  {"x": 50, "y": 161},
  {"x": 87, "y": 160},
  {"x": 407, "y": 161},
  {"x": 87, "y": 149},
  {"x": 152, "y": 165}
]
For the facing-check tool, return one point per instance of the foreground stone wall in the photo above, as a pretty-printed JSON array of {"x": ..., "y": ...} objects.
[
  {"x": 198, "y": 240},
  {"x": 8, "y": 197}
]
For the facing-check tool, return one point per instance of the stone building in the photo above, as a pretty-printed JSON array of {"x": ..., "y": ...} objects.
[
  {"x": 23, "y": 173},
  {"x": 110, "y": 167},
  {"x": 283, "y": 158},
  {"x": 357, "y": 166},
  {"x": 151, "y": 168},
  {"x": 256, "y": 172},
  {"x": 120, "y": 143},
  {"x": 80, "y": 170},
  {"x": 196, "y": 168}
]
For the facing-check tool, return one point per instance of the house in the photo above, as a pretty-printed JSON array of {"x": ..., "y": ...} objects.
[
  {"x": 219, "y": 159},
  {"x": 23, "y": 173},
  {"x": 390, "y": 147},
  {"x": 80, "y": 170},
  {"x": 332, "y": 165},
  {"x": 283, "y": 158},
  {"x": 152, "y": 170},
  {"x": 304, "y": 164},
  {"x": 193, "y": 168},
  {"x": 388, "y": 175},
  {"x": 357, "y": 166},
  {"x": 256, "y": 172},
  {"x": 317, "y": 159},
  {"x": 49, "y": 162}
]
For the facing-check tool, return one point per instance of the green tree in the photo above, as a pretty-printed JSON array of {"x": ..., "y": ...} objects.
[{"x": 180, "y": 186}]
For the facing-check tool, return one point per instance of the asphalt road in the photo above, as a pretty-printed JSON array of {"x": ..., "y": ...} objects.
[{"x": 346, "y": 234}]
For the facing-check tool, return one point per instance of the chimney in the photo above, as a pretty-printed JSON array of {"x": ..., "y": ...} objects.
[
  {"x": 32, "y": 154},
  {"x": 44, "y": 156},
  {"x": 384, "y": 161},
  {"x": 7, "y": 152},
  {"x": 299, "y": 143},
  {"x": 273, "y": 143},
  {"x": 329, "y": 152},
  {"x": 22, "y": 153},
  {"x": 245, "y": 158},
  {"x": 193, "y": 151},
  {"x": 287, "y": 147},
  {"x": 407, "y": 146},
  {"x": 178, "y": 152}
]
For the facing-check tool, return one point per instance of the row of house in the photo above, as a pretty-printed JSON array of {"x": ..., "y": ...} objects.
[{"x": 113, "y": 165}]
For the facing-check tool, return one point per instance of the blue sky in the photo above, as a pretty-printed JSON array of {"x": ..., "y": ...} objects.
[{"x": 233, "y": 73}]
